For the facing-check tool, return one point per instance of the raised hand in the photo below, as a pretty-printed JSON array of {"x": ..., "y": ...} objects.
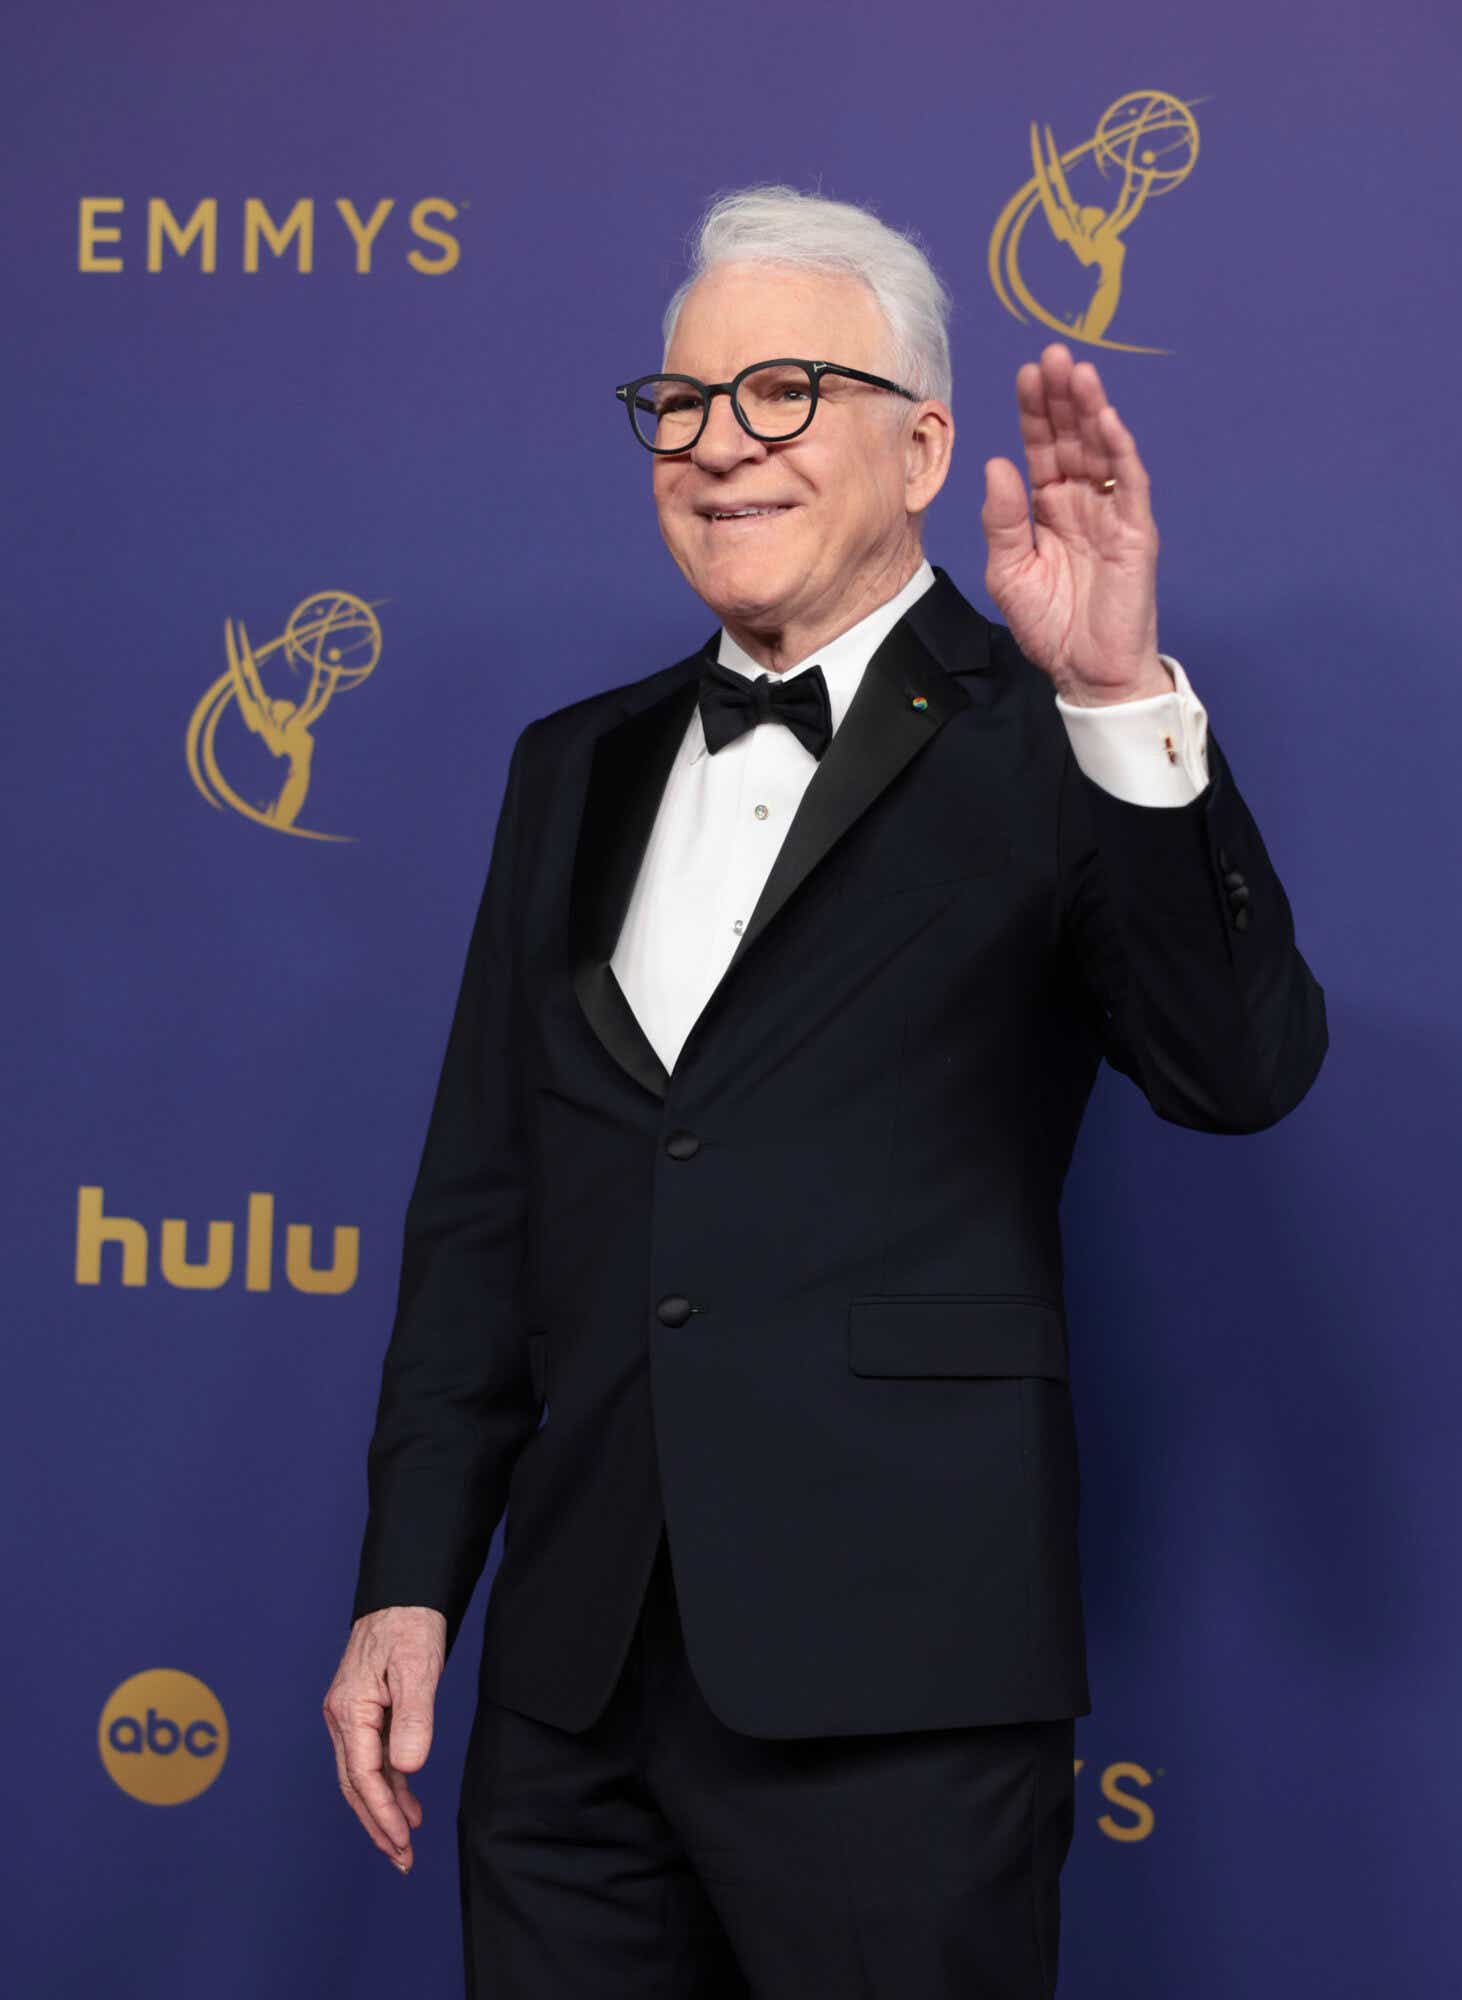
[
  {"x": 1074, "y": 570},
  {"x": 379, "y": 1714}
]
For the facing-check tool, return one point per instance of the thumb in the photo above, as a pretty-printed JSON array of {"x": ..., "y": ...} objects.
[
  {"x": 408, "y": 1741},
  {"x": 1005, "y": 516}
]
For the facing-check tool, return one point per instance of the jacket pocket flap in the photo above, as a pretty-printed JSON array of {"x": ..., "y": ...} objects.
[{"x": 965, "y": 1334}]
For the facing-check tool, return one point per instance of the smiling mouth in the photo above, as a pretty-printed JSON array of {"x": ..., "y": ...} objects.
[{"x": 745, "y": 513}]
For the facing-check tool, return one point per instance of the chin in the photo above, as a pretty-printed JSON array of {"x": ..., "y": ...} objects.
[{"x": 750, "y": 592}]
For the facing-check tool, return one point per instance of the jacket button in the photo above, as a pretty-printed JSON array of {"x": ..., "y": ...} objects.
[
  {"x": 682, "y": 1145},
  {"x": 674, "y": 1310},
  {"x": 1233, "y": 879},
  {"x": 1241, "y": 918}
]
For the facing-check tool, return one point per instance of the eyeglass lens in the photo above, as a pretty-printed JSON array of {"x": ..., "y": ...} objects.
[{"x": 774, "y": 403}]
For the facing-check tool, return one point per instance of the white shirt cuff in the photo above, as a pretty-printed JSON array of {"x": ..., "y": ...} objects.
[{"x": 1152, "y": 752}]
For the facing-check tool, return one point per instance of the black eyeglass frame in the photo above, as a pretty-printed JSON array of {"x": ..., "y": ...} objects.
[{"x": 628, "y": 393}]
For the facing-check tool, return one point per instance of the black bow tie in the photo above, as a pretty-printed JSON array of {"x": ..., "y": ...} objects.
[{"x": 731, "y": 703}]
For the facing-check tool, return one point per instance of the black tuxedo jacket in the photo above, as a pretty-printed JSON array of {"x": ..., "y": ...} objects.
[{"x": 801, "y": 1299}]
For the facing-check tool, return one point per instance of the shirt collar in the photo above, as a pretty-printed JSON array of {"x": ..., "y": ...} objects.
[{"x": 842, "y": 659}]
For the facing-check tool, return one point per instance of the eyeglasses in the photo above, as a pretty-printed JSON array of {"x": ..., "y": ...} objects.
[{"x": 771, "y": 400}]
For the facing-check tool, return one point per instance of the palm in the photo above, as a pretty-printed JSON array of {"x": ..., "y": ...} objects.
[{"x": 1074, "y": 572}]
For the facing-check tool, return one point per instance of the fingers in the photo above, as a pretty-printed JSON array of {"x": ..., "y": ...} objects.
[
  {"x": 1054, "y": 399},
  {"x": 361, "y": 1764},
  {"x": 1037, "y": 430},
  {"x": 405, "y": 1797},
  {"x": 365, "y": 1791},
  {"x": 1050, "y": 397},
  {"x": 1132, "y": 496},
  {"x": 1060, "y": 402},
  {"x": 1086, "y": 401},
  {"x": 1071, "y": 431},
  {"x": 1058, "y": 384}
]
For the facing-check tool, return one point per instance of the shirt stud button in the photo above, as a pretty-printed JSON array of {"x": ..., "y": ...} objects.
[
  {"x": 919, "y": 701},
  {"x": 739, "y": 925},
  {"x": 761, "y": 812}
]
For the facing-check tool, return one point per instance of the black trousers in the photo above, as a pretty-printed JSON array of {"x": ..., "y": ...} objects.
[{"x": 662, "y": 1856}]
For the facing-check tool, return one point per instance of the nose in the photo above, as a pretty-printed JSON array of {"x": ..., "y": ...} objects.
[{"x": 723, "y": 444}]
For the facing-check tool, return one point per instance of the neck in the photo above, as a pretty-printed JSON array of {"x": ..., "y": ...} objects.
[{"x": 777, "y": 647}]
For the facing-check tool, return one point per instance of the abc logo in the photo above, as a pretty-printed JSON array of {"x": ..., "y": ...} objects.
[{"x": 163, "y": 1737}]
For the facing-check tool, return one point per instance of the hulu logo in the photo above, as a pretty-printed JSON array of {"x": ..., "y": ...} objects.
[{"x": 182, "y": 1266}]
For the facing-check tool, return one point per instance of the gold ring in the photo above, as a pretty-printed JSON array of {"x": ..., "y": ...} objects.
[{"x": 1106, "y": 486}]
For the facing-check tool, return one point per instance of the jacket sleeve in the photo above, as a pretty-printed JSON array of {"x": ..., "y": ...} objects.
[
  {"x": 1177, "y": 926},
  {"x": 457, "y": 1401}
]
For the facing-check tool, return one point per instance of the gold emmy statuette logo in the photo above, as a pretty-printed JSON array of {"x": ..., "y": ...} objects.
[
  {"x": 333, "y": 638},
  {"x": 1144, "y": 145},
  {"x": 163, "y": 1737}
]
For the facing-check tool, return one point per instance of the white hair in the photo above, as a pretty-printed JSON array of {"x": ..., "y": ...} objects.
[{"x": 780, "y": 225}]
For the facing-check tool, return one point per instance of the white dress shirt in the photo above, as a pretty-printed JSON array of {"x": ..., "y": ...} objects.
[{"x": 723, "y": 818}]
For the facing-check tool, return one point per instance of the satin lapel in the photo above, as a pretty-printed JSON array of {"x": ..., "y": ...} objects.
[
  {"x": 632, "y": 761},
  {"x": 880, "y": 733}
]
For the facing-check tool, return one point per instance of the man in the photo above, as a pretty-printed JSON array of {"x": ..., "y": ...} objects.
[{"x": 793, "y": 971}]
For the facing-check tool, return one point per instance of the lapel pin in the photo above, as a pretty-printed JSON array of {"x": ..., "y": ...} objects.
[{"x": 919, "y": 701}]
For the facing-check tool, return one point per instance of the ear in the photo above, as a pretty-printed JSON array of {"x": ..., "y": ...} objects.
[{"x": 928, "y": 446}]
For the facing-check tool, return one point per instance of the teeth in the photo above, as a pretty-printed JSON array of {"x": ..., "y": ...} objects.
[{"x": 744, "y": 513}]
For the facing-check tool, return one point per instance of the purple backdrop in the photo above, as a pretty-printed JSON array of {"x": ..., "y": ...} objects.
[{"x": 201, "y": 1008}]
